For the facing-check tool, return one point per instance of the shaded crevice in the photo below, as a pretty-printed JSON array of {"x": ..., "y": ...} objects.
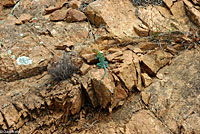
[{"x": 4, "y": 120}]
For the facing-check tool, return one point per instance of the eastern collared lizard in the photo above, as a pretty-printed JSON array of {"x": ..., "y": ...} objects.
[{"x": 102, "y": 63}]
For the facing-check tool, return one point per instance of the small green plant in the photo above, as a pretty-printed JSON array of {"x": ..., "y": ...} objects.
[{"x": 172, "y": 28}]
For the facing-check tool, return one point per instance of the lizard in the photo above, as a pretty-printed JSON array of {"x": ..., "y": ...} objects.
[{"x": 102, "y": 63}]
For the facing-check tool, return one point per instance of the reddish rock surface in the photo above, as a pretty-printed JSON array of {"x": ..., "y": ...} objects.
[
  {"x": 74, "y": 15},
  {"x": 50, "y": 81}
]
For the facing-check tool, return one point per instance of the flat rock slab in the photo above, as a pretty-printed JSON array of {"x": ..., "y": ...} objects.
[{"x": 118, "y": 16}]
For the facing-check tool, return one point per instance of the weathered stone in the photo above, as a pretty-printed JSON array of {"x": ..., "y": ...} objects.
[
  {"x": 58, "y": 15},
  {"x": 7, "y": 3},
  {"x": 11, "y": 115},
  {"x": 118, "y": 17},
  {"x": 157, "y": 22},
  {"x": 127, "y": 57},
  {"x": 153, "y": 62},
  {"x": 146, "y": 45},
  {"x": 84, "y": 68},
  {"x": 136, "y": 61},
  {"x": 193, "y": 13},
  {"x": 2, "y": 122},
  {"x": 127, "y": 74},
  {"x": 145, "y": 97},
  {"x": 135, "y": 49},
  {"x": 149, "y": 64},
  {"x": 176, "y": 99},
  {"x": 191, "y": 124},
  {"x": 178, "y": 10},
  {"x": 74, "y": 15},
  {"x": 103, "y": 89},
  {"x": 24, "y": 18},
  {"x": 146, "y": 123},
  {"x": 146, "y": 80},
  {"x": 171, "y": 50},
  {"x": 60, "y": 3},
  {"x": 119, "y": 95},
  {"x": 75, "y": 4},
  {"x": 89, "y": 57},
  {"x": 76, "y": 101},
  {"x": 24, "y": 60},
  {"x": 51, "y": 9},
  {"x": 169, "y": 3},
  {"x": 110, "y": 57},
  {"x": 87, "y": 84},
  {"x": 196, "y": 1}
]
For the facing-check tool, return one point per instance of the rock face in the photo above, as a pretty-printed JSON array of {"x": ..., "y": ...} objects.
[
  {"x": 175, "y": 98},
  {"x": 169, "y": 105},
  {"x": 117, "y": 16},
  {"x": 145, "y": 122},
  {"x": 32, "y": 102}
]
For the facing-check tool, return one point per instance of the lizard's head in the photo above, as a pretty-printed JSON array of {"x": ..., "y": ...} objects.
[{"x": 95, "y": 51}]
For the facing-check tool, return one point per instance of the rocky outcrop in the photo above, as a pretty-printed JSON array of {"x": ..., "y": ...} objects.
[{"x": 137, "y": 42}]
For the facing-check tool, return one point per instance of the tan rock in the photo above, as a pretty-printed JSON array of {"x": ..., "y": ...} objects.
[
  {"x": 29, "y": 59},
  {"x": 103, "y": 89},
  {"x": 110, "y": 57},
  {"x": 7, "y": 3},
  {"x": 118, "y": 17},
  {"x": 135, "y": 49},
  {"x": 136, "y": 61},
  {"x": 74, "y": 15},
  {"x": 51, "y": 9},
  {"x": 113, "y": 50},
  {"x": 89, "y": 57},
  {"x": 76, "y": 102},
  {"x": 87, "y": 84},
  {"x": 145, "y": 122},
  {"x": 169, "y": 3},
  {"x": 84, "y": 68},
  {"x": 196, "y": 1},
  {"x": 153, "y": 62},
  {"x": 191, "y": 124},
  {"x": 193, "y": 13},
  {"x": 60, "y": 3},
  {"x": 146, "y": 45},
  {"x": 75, "y": 4},
  {"x": 146, "y": 80},
  {"x": 171, "y": 50},
  {"x": 11, "y": 115},
  {"x": 127, "y": 74},
  {"x": 149, "y": 64},
  {"x": 58, "y": 15},
  {"x": 145, "y": 97},
  {"x": 164, "y": 98},
  {"x": 178, "y": 10},
  {"x": 119, "y": 95},
  {"x": 2, "y": 122},
  {"x": 154, "y": 18},
  {"x": 127, "y": 57},
  {"x": 24, "y": 18}
]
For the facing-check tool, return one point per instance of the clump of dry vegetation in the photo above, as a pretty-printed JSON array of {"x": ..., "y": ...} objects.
[{"x": 63, "y": 68}]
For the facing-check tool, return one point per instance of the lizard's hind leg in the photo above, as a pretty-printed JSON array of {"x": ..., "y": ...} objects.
[{"x": 99, "y": 65}]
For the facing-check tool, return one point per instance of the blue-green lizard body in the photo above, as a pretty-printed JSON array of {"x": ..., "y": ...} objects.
[{"x": 102, "y": 63}]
